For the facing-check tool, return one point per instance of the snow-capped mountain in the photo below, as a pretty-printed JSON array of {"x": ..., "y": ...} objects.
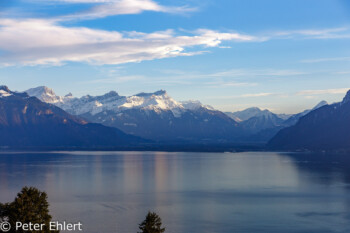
[
  {"x": 259, "y": 125},
  {"x": 158, "y": 101},
  {"x": 194, "y": 105},
  {"x": 28, "y": 122},
  {"x": 44, "y": 94},
  {"x": 157, "y": 116},
  {"x": 154, "y": 116},
  {"x": 246, "y": 114},
  {"x": 254, "y": 119}
]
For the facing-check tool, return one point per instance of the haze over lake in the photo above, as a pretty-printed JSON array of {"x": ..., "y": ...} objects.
[{"x": 192, "y": 192}]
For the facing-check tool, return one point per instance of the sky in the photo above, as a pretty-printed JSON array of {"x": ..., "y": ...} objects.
[{"x": 285, "y": 56}]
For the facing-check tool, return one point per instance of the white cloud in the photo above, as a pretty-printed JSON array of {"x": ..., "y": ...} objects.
[
  {"x": 104, "y": 8},
  {"x": 309, "y": 93},
  {"x": 46, "y": 42},
  {"x": 35, "y": 41}
]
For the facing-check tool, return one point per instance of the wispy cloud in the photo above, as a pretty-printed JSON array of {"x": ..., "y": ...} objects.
[
  {"x": 257, "y": 95},
  {"x": 257, "y": 72},
  {"x": 118, "y": 79},
  {"x": 222, "y": 83},
  {"x": 323, "y": 91},
  {"x": 105, "y": 8},
  {"x": 235, "y": 73},
  {"x": 324, "y": 33},
  {"x": 242, "y": 96},
  {"x": 329, "y": 59},
  {"x": 35, "y": 41}
]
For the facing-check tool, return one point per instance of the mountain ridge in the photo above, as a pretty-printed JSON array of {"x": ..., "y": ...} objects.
[
  {"x": 28, "y": 122},
  {"x": 155, "y": 116}
]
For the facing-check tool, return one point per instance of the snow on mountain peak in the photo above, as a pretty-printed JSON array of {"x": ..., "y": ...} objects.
[
  {"x": 44, "y": 94},
  {"x": 157, "y": 101},
  {"x": 110, "y": 101},
  {"x": 194, "y": 105},
  {"x": 246, "y": 114},
  {"x": 4, "y": 91},
  {"x": 152, "y": 101},
  {"x": 249, "y": 113},
  {"x": 4, "y": 88}
]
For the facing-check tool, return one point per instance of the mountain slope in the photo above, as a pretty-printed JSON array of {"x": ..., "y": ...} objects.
[
  {"x": 154, "y": 116},
  {"x": 326, "y": 128},
  {"x": 27, "y": 122},
  {"x": 294, "y": 118}
]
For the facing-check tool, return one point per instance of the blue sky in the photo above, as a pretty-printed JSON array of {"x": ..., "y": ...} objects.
[{"x": 232, "y": 54}]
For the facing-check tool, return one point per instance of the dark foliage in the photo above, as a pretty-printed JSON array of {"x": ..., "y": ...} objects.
[
  {"x": 152, "y": 224},
  {"x": 30, "y": 206}
]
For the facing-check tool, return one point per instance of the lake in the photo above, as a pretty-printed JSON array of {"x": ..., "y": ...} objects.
[{"x": 111, "y": 192}]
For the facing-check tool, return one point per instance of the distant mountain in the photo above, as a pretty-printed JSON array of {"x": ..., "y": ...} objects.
[
  {"x": 154, "y": 116},
  {"x": 261, "y": 125},
  {"x": 258, "y": 125},
  {"x": 28, "y": 122},
  {"x": 246, "y": 114},
  {"x": 292, "y": 120},
  {"x": 325, "y": 128}
]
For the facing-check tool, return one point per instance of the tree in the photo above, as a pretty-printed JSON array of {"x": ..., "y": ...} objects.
[
  {"x": 30, "y": 206},
  {"x": 152, "y": 224}
]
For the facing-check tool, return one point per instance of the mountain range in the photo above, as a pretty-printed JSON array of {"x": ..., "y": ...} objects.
[
  {"x": 28, "y": 122},
  {"x": 38, "y": 118},
  {"x": 154, "y": 116},
  {"x": 157, "y": 116}
]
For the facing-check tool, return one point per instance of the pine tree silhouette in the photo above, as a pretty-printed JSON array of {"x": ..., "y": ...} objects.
[{"x": 152, "y": 224}]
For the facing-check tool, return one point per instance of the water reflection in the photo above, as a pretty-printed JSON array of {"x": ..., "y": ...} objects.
[
  {"x": 193, "y": 192},
  {"x": 327, "y": 169}
]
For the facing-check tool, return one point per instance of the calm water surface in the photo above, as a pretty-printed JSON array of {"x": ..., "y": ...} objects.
[{"x": 111, "y": 192}]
